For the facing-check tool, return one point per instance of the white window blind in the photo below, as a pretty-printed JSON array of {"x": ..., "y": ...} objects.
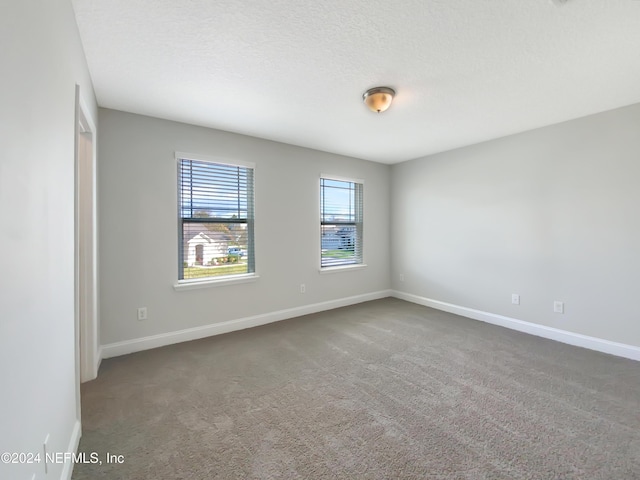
[
  {"x": 341, "y": 214},
  {"x": 216, "y": 219}
]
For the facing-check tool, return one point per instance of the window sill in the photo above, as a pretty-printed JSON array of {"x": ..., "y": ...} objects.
[
  {"x": 218, "y": 282},
  {"x": 342, "y": 268}
]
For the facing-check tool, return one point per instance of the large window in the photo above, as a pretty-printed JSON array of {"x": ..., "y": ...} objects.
[
  {"x": 340, "y": 222},
  {"x": 216, "y": 217}
]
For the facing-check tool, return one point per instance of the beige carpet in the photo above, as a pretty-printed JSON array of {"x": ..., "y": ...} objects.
[{"x": 380, "y": 390}]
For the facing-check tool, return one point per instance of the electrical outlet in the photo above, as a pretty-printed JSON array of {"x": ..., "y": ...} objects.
[
  {"x": 402, "y": 277},
  {"x": 303, "y": 288},
  {"x": 515, "y": 299},
  {"x": 142, "y": 313},
  {"x": 558, "y": 307}
]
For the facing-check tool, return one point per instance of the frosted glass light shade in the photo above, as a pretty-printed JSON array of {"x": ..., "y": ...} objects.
[{"x": 378, "y": 99}]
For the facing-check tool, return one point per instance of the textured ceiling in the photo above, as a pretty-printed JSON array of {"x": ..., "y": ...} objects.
[{"x": 294, "y": 71}]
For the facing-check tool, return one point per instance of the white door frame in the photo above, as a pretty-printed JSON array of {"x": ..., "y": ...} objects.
[{"x": 86, "y": 252}]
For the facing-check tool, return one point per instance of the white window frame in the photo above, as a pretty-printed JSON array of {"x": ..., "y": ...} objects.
[
  {"x": 340, "y": 268},
  {"x": 189, "y": 284}
]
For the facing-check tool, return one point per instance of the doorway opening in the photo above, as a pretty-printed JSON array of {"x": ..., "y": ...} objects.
[{"x": 86, "y": 264}]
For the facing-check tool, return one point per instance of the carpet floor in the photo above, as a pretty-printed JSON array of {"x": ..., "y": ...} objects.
[{"x": 380, "y": 390}]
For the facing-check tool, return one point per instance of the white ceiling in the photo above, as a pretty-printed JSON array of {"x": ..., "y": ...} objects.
[{"x": 465, "y": 71}]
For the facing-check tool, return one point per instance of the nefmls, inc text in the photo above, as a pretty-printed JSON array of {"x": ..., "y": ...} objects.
[{"x": 83, "y": 457}]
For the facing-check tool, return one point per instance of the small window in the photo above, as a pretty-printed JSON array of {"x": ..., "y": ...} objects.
[
  {"x": 216, "y": 218},
  {"x": 340, "y": 222}
]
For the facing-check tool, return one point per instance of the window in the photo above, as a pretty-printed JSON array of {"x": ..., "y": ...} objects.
[
  {"x": 340, "y": 222},
  {"x": 216, "y": 218}
]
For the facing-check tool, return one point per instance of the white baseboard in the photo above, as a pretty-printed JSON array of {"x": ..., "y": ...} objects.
[
  {"x": 98, "y": 359},
  {"x": 67, "y": 470},
  {"x": 592, "y": 343},
  {"x": 154, "y": 341}
]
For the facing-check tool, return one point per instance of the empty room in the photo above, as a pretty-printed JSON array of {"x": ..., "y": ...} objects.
[{"x": 314, "y": 240}]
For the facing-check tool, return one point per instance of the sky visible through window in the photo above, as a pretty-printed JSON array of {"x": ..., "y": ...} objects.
[
  {"x": 216, "y": 198},
  {"x": 337, "y": 200},
  {"x": 213, "y": 190}
]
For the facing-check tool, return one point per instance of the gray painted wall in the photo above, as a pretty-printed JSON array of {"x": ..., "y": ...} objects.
[
  {"x": 42, "y": 60},
  {"x": 138, "y": 227},
  {"x": 550, "y": 214}
]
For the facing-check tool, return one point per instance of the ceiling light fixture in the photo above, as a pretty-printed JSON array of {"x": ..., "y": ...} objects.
[{"x": 378, "y": 99}]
